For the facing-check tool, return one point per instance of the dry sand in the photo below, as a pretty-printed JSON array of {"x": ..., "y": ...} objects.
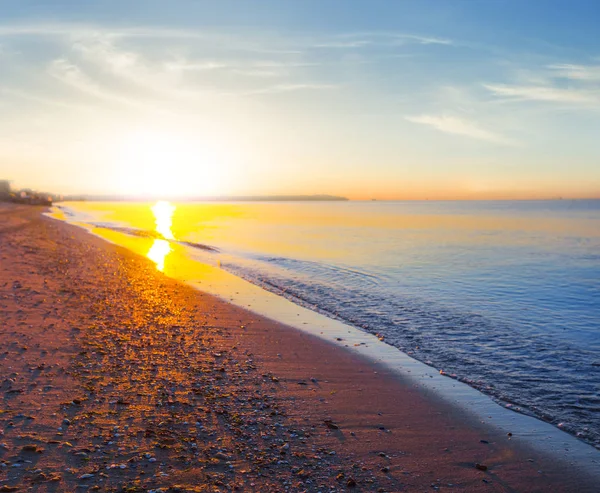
[{"x": 114, "y": 377}]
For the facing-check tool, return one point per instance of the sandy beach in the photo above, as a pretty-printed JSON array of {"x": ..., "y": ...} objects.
[{"x": 114, "y": 377}]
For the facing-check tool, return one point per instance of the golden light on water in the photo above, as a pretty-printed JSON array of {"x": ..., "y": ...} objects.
[
  {"x": 158, "y": 252},
  {"x": 163, "y": 218}
]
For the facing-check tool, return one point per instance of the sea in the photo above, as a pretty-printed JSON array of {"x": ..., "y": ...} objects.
[{"x": 501, "y": 295}]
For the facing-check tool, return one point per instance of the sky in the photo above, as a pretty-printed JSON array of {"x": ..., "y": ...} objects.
[{"x": 395, "y": 99}]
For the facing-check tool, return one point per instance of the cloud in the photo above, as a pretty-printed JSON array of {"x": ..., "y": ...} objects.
[
  {"x": 281, "y": 88},
  {"x": 293, "y": 45},
  {"x": 185, "y": 66},
  {"x": 166, "y": 78},
  {"x": 151, "y": 67},
  {"x": 31, "y": 29},
  {"x": 576, "y": 72},
  {"x": 76, "y": 29},
  {"x": 574, "y": 85},
  {"x": 16, "y": 93},
  {"x": 343, "y": 44},
  {"x": 426, "y": 40},
  {"x": 458, "y": 126},
  {"x": 71, "y": 75},
  {"x": 384, "y": 37},
  {"x": 262, "y": 68},
  {"x": 257, "y": 72},
  {"x": 136, "y": 73},
  {"x": 105, "y": 55},
  {"x": 544, "y": 93}
]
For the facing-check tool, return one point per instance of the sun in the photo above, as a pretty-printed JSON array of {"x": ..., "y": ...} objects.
[{"x": 157, "y": 163}]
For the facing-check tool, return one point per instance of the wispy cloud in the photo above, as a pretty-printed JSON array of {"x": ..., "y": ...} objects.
[
  {"x": 185, "y": 65},
  {"x": 574, "y": 85},
  {"x": 294, "y": 45},
  {"x": 395, "y": 38},
  {"x": 71, "y": 75},
  {"x": 426, "y": 40},
  {"x": 459, "y": 126},
  {"x": 281, "y": 88},
  {"x": 35, "y": 29},
  {"x": 60, "y": 28},
  {"x": 544, "y": 93},
  {"x": 76, "y": 29},
  {"x": 343, "y": 44},
  {"x": 258, "y": 73},
  {"x": 16, "y": 93},
  {"x": 150, "y": 67},
  {"x": 106, "y": 56},
  {"x": 576, "y": 72}
]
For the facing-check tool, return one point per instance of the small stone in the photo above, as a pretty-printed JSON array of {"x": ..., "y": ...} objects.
[{"x": 32, "y": 448}]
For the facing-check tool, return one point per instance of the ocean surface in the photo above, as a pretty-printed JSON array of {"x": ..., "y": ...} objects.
[{"x": 502, "y": 295}]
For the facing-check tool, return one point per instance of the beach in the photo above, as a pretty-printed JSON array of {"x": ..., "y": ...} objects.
[{"x": 115, "y": 377}]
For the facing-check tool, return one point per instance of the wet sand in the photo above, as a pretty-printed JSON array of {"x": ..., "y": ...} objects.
[{"x": 114, "y": 377}]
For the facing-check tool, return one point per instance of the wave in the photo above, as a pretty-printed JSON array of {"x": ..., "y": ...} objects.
[
  {"x": 333, "y": 274},
  {"x": 199, "y": 246},
  {"x": 146, "y": 233},
  {"x": 531, "y": 372},
  {"x": 142, "y": 233}
]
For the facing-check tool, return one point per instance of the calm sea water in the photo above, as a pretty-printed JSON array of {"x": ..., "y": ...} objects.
[{"x": 502, "y": 295}]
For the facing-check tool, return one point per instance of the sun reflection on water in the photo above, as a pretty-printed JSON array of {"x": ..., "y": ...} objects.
[{"x": 163, "y": 218}]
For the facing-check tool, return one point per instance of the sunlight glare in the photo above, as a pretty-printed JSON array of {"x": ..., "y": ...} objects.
[
  {"x": 163, "y": 217},
  {"x": 158, "y": 253},
  {"x": 162, "y": 163}
]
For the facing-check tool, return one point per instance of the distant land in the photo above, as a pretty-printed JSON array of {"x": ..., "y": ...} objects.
[{"x": 231, "y": 198}]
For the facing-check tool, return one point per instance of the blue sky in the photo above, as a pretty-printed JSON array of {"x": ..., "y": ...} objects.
[{"x": 387, "y": 99}]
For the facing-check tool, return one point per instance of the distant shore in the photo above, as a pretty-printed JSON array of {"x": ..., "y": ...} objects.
[
  {"x": 224, "y": 198},
  {"x": 116, "y": 376}
]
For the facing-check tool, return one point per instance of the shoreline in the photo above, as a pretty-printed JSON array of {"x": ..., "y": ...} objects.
[
  {"x": 215, "y": 278},
  {"x": 325, "y": 397}
]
